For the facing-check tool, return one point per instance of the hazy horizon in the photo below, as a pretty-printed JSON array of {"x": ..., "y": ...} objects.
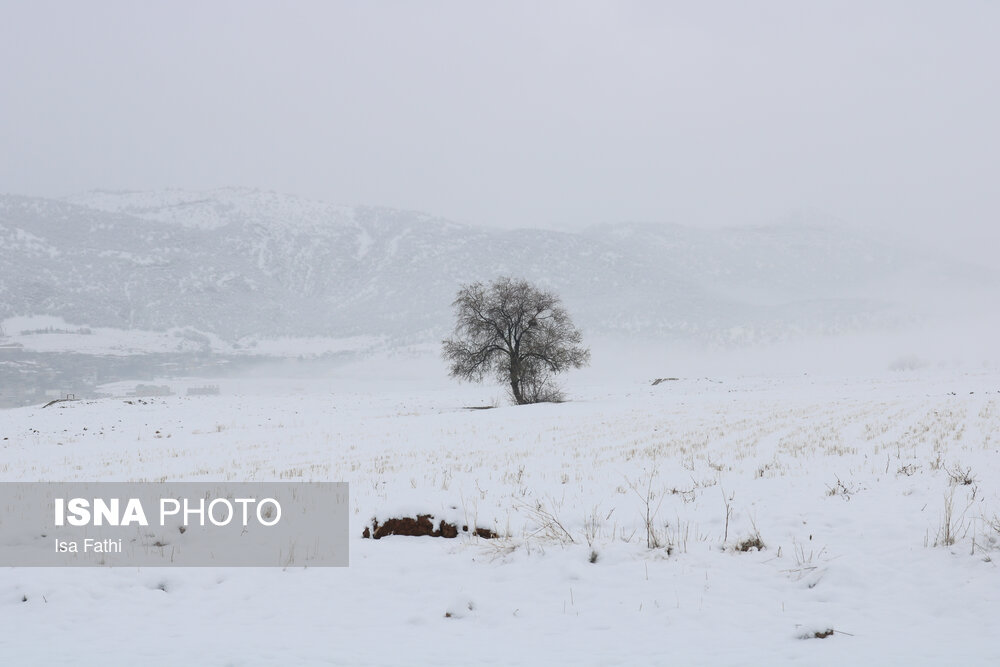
[
  {"x": 555, "y": 116},
  {"x": 983, "y": 258}
]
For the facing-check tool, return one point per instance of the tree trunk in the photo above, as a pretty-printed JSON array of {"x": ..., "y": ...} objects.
[{"x": 515, "y": 386}]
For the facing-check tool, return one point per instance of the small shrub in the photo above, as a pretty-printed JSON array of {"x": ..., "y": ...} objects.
[{"x": 960, "y": 476}]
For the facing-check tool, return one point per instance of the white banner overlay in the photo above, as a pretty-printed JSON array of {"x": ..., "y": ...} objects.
[{"x": 199, "y": 524}]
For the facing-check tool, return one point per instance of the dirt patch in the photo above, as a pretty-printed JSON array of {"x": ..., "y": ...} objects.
[
  {"x": 819, "y": 634},
  {"x": 749, "y": 543},
  {"x": 420, "y": 526},
  {"x": 484, "y": 533}
]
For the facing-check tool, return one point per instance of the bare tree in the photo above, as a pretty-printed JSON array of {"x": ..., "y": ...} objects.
[{"x": 516, "y": 332}]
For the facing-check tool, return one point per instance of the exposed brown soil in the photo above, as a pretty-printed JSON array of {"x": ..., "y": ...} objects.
[
  {"x": 751, "y": 543},
  {"x": 420, "y": 526},
  {"x": 484, "y": 533},
  {"x": 824, "y": 634}
]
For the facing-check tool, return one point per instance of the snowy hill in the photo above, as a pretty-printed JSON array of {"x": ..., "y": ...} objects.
[{"x": 240, "y": 262}]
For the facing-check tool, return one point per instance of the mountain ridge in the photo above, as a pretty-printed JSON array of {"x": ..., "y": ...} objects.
[{"x": 237, "y": 261}]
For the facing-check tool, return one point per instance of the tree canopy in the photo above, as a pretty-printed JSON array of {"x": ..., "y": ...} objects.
[{"x": 516, "y": 332}]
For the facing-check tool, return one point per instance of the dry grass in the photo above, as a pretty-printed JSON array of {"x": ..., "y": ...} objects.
[
  {"x": 953, "y": 526},
  {"x": 548, "y": 524}
]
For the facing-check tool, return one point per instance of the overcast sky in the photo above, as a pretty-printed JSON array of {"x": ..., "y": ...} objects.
[{"x": 553, "y": 114}]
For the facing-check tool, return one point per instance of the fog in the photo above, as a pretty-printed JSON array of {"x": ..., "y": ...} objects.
[
  {"x": 261, "y": 246},
  {"x": 879, "y": 116},
  {"x": 876, "y": 121}
]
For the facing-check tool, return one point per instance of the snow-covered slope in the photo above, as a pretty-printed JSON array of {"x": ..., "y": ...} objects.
[{"x": 239, "y": 262}]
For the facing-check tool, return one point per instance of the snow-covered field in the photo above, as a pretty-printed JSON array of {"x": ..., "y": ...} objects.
[{"x": 621, "y": 515}]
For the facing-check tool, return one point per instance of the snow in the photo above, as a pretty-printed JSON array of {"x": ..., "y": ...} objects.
[
  {"x": 285, "y": 346},
  {"x": 217, "y": 208},
  {"x": 45, "y": 333},
  {"x": 19, "y": 240},
  {"x": 365, "y": 242},
  {"x": 844, "y": 479}
]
